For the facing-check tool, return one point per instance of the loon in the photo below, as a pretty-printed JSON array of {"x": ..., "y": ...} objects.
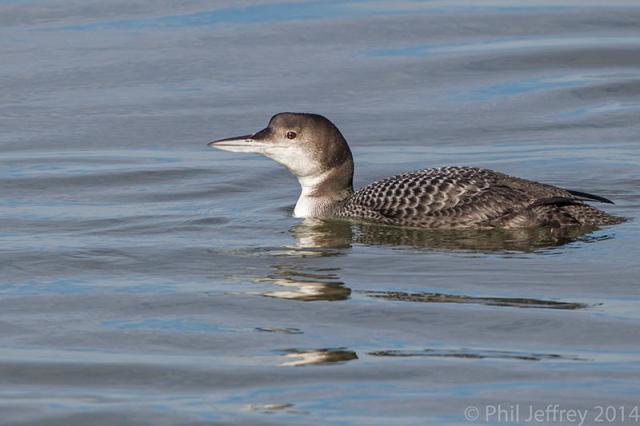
[{"x": 314, "y": 150}]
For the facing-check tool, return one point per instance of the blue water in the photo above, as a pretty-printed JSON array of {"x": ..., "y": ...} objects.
[{"x": 147, "y": 279}]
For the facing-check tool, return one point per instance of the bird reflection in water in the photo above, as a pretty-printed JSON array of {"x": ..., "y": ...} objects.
[
  {"x": 298, "y": 358},
  {"x": 514, "y": 302},
  {"x": 275, "y": 407},
  {"x": 339, "y": 234},
  {"x": 305, "y": 284},
  {"x": 326, "y": 238},
  {"x": 476, "y": 354}
]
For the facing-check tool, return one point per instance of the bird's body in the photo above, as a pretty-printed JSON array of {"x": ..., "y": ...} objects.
[
  {"x": 314, "y": 150},
  {"x": 469, "y": 197}
]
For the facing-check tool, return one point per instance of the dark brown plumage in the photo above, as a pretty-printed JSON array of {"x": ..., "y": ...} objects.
[{"x": 469, "y": 197}]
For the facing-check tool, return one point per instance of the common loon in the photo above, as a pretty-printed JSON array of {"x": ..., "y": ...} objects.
[{"x": 314, "y": 150}]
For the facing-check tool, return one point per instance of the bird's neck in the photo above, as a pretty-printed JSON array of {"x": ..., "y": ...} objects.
[{"x": 323, "y": 194}]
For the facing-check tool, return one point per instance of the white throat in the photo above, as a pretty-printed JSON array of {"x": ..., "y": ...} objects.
[
  {"x": 322, "y": 195},
  {"x": 309, "y": 204}
]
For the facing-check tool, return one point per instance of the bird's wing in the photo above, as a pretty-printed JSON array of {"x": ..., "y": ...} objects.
[{"x": 442, "y": 197}]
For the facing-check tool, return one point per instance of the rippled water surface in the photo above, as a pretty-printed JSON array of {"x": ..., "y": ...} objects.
[{"x": 147, "y": 279}]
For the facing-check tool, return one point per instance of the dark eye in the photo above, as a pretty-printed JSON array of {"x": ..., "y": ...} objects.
[{"x": 291, "y": 135}]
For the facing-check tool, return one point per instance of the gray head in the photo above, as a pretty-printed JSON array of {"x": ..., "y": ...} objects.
[{"x": 309, "y": 145}]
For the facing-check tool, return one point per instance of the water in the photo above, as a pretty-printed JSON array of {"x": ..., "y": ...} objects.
[{"x": 147, "y": 279}]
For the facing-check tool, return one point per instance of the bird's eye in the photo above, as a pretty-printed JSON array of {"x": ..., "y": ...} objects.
[{"x": 291, "y": 135}]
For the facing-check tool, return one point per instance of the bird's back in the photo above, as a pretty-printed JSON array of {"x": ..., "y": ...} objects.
[{"x": 466, "y": 197}]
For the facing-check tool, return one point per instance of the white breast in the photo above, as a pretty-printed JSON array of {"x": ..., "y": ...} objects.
[{"x": 307, "y": 207}]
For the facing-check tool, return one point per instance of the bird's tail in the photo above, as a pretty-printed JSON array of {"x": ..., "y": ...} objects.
[
  {"x": 583, "y": 196},
  {"x": 587, "y": 215}
]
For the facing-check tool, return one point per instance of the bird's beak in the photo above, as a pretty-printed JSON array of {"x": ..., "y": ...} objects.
[{"x": 245, "y": 143}]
